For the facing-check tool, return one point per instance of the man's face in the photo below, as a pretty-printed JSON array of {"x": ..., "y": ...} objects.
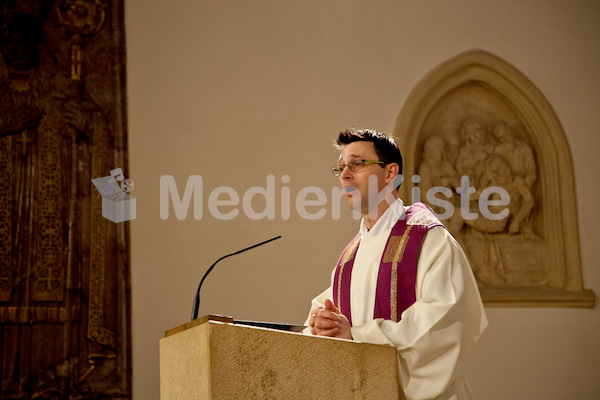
[{"x": 356, "y": 183}]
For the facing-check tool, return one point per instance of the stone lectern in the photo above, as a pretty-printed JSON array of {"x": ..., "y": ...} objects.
[{"x": 218, "y": 359}]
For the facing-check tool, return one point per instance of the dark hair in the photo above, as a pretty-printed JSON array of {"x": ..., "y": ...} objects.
[{"x": 386, "y": 148}]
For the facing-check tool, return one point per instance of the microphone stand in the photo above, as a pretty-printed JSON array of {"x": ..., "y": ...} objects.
[{"x": 196, "y": 304}]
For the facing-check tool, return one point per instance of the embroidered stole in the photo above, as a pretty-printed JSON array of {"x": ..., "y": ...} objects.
[{"x": 397, "y": 274}]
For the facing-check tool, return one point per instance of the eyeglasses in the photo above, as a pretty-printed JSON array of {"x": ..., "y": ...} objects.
[{"x": 354, "y": 166}]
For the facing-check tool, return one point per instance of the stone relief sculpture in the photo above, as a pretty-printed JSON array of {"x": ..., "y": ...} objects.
[
  {"x": 477, "y": 130},
  {"x": 501, "y": 161}
]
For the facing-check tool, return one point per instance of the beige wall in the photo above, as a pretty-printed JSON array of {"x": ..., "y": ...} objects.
[{"x": 235, "y": 91}]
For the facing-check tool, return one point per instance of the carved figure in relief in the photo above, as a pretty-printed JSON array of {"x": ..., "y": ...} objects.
[
  {"x": 518, "y": 154},
  {"x": 436, "y": 171},
  {"x": 496, "y": 173},
  {"x": 522, "y": 165},
  {"x": 472, "y": 156},
  {"x": 451, "y": 136}
]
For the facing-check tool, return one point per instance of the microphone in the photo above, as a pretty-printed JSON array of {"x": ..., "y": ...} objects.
[{"x": 196, "y": 303}]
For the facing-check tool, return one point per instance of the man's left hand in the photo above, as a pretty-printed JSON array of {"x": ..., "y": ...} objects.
[{"x": 329, "y": 321}]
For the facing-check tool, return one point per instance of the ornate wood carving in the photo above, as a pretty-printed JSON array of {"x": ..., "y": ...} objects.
[
  {"x": 475, "y": 117},
  {"x": 64, "y": 270}
]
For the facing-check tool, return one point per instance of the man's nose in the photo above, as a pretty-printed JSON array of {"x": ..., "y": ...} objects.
[{"x": 346, "y": 173}]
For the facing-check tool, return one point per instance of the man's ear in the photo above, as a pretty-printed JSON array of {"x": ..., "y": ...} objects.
[{"x": 392, "y": 171}]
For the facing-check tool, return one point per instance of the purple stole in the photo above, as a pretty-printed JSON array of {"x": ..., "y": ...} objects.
[{"x": 397, "y": 270}]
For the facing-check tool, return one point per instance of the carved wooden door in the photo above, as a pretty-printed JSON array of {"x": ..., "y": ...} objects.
[{"x": 64, "y": 269}]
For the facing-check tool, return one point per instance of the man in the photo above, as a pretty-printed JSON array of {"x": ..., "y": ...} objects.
[{"x": 403, "y": 280}]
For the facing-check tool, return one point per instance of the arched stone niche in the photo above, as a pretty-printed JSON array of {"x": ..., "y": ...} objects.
[{"x": 478, "y": 117}]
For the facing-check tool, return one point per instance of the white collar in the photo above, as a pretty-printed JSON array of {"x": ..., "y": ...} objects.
[{"x": 385, "y": 222}]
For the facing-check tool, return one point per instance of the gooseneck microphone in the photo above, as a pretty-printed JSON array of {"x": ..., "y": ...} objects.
[{"x": 196, "y": 303}]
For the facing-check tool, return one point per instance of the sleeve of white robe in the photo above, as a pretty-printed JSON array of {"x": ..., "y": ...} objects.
[{"x": 435, "y": 334}]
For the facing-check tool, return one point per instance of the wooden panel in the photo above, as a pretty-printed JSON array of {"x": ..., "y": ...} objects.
[{"x": 64, "y": 270}]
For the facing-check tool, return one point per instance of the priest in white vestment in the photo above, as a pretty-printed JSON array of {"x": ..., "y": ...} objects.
[{"x": 435, "y": 329}]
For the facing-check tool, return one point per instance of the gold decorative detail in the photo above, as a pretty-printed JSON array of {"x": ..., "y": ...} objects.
[
  {"x": 5, "y": 218},
  {"x": 83, "y": 18},
  {"x": 49, "y": 271},
  {"x": 396, "y": 246},
  {"x": 24, "y": 140},
  {"x": 96, "y": 330},
  {"x": 32, "y": 315},
  {"x": 348, "y": 255},
  {"x": 394, "y": 254},
  {"x": 76, "y": 61}
]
